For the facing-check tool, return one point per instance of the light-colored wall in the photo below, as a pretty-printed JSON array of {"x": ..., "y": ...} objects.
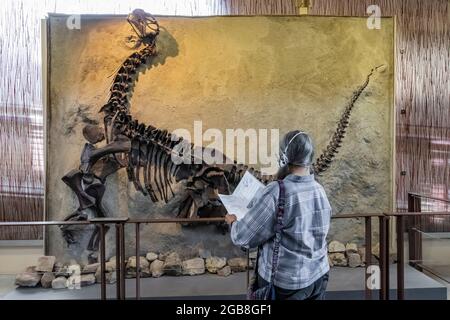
[
  {"x": 230, "y": 72},
  {"x": 16, "y": 256}
]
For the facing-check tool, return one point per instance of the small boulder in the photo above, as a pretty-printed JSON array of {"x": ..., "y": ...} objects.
[
  {"x": 163, "y": 256},
  {"x": 87, "y": 279},
  {"x": 74, "y": 269},
  {"x": 336, "y": 247},
  {"x": 157, "y": 268},
  {"x": 194, "y": 266},
  {"x": 110, "y": 266},
  {"x": 61, "y": 271},
  {"x": 330, "y": 262},
  {"x": 28, "y": 279},
  {"x": 173, "y": 265},
  {"x": 354, "y": 260},
  {"x": 131, "y": 264},
  {"x": 59, "y": 283},
  {"x": 151, "y": 256},
  {"x": 351, "y": 248},
  {"x": 338, "y": 259},
  {"x": 110, "y": 277},
  {"x": 215, "y": 263},
  {"x": 45, "y": 264},
  {"x": 31, "y": 269},
  {"x": 224, "y": 272},
  {"x": 47, "y": 279},
  {"x": 237, "y": 264},
  {"x": 91, "y": 268}
]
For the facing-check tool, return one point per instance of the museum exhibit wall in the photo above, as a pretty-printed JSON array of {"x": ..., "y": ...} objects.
[
  {"x": 257, "y": 73},
  {"x": 421, "y": 84}
]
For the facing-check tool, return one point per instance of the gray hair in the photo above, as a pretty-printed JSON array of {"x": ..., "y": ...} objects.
[{"x": 296, "y": 148}]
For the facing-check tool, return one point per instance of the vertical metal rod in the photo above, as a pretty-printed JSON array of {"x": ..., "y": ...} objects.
[
  {"x": 138, "y": 262},
  {"x": 122, "y": 261},
  {"x": 248, "y": 267},
  {"x": 400, "y": 260},
  {"x": 387, "y": 258},
  {"x": 118, "y": 282},
  {"x": 414, "y": 236},
  {"x": 382, "y": 257},
  {"x": 102, "y": 261},
  {"x": 368, "y": 244}
]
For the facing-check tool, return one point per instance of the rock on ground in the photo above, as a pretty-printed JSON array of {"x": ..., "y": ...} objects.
[
  {"x": 237, "y": 264},
  {"x": 87, "y": 279},
  {"x": 59, "y": 283},
  {"x": 336, "y": 246},
  {"x": 351, "y": 248},
  {"x": 45, "y": 263},
  {"x": 110, "y": 277},
  {"x": 330, "y": 262},
  {"x": 28, "y": 279},
  {"x": 215, "y": 263},
  {"x": 131, "y": 264},
  {"x": 91, "y": 268},
  {"x": 194, "y": 266},
  {"x": 338, "y": 259},
  {"x": 151, "y": 256},
  {"x": 157, "y": 268},
  {"x": 173, "y": 265},
  {"x": 354, "y": 260},
  {"x": 47, "y": 279},
  {"x": 224, "y": 272}
]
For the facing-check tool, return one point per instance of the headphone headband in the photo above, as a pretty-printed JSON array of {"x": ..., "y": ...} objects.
[{"x": 284, "y": 159}]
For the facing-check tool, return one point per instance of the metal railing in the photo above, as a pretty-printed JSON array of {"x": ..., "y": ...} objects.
[{"x": 384, "y": 221}]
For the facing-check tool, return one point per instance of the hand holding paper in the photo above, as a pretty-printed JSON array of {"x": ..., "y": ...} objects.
[{"x": 239, "y": 202}]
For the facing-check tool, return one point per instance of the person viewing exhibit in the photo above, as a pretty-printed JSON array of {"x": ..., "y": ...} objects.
[
  {"x": 298, "y": 267},
  {"x": 227, "y": 150}
]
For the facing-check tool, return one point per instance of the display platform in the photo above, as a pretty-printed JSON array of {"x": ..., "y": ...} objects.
[{"x": 345, "y": 284}]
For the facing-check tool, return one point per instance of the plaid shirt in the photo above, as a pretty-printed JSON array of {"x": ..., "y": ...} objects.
[{"x": 303, "y": 249}]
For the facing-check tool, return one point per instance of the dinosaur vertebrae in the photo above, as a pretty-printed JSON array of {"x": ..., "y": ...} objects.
[
  {"x": 123, "y": 82},
  {"x": 325, "y": 159}
]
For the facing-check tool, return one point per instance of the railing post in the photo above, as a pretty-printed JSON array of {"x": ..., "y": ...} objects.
[
  {"x": 400, "y": 259},
  {"x": 382, "y": 257},
  {"x": 414, "y": 236},
  {"x": 122, "y": 261},
  {"x": 387, "y": 256},
  {"x": 248, "y": 267},
  {"x": 102, "y": 262},
  {"x": 118, "y": 264},
  {"x": 138, "y": 262},
  {"x": 368, "y": 244}
]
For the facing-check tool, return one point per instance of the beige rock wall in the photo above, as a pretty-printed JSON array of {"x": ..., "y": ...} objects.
[{"x": 229, "y": 72}]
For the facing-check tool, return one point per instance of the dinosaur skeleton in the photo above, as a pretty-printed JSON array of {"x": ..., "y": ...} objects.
[{"x": 147, "y": 152}]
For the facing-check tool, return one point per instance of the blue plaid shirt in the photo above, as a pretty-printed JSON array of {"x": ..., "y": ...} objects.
[{"x": 303, "y": 255}]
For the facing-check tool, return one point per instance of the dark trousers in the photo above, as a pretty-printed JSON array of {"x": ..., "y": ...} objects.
[{"x": 315, "y": 291}]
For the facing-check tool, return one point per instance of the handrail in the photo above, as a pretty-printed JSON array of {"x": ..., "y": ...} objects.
[
  {"x": 120, "y": 222},
  {"x": 418, "y": 195},
  {"x": 161, "y": 220}
]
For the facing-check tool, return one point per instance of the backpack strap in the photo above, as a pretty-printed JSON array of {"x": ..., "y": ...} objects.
[{"x": 278, "y": 228}]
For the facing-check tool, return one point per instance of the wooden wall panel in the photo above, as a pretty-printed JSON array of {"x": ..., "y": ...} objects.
[{"x": 422, "y": 88}]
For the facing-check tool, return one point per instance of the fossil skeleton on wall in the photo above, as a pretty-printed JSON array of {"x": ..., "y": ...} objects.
[{"x": 146, "y": 152}]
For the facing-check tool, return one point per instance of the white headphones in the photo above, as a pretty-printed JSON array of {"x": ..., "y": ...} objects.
[{"x": 283, "y": 156}]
